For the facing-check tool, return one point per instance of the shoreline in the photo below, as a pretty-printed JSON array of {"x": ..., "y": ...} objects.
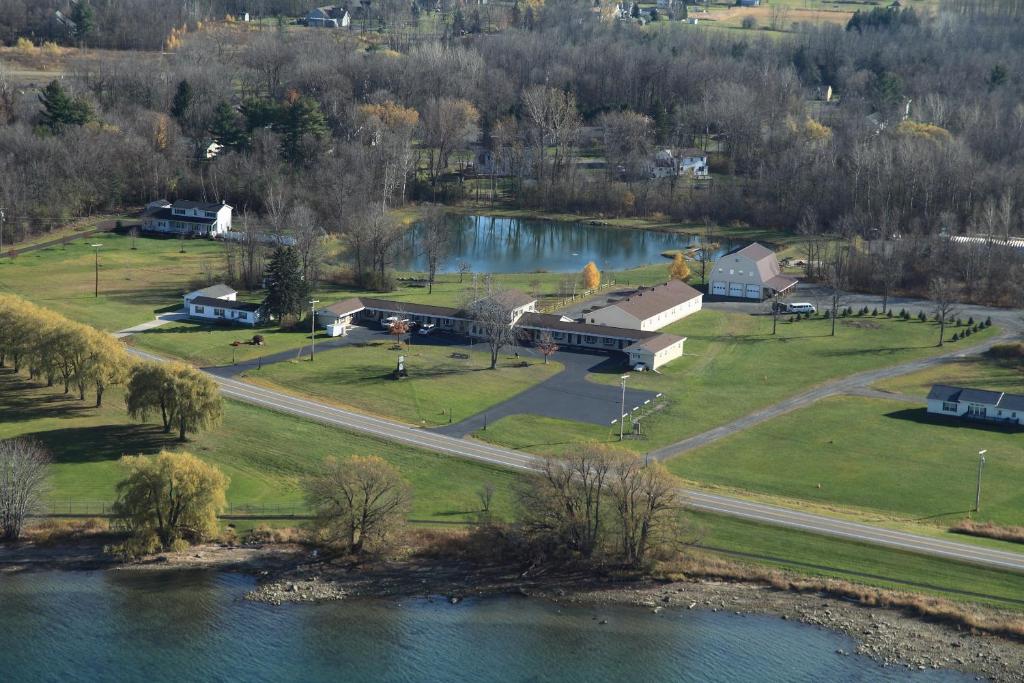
[{"x": 295, "y": 574}]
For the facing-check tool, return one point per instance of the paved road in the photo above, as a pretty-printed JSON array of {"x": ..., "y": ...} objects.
[
  {"x": 699, "y": 500},
  {"x": 852, "y": 384}
]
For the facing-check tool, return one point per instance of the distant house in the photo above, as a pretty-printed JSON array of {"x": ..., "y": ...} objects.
[
  {"x": 185, "y": 217},
  {"x": 329, "y": 16},
  {"x": 668, "y": 163},
  {"x": 650, "y": 308},
  {"x": 212, "y": 150},
  {"x": 976, "y": 404},
  {"x": 752, "y": 272},
  {"x": 823, "y": 93},
  {"x": 748, "y": 3},
  {"x": 218, "y": 303}
]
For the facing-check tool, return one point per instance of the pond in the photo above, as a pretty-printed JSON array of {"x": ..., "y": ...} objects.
[
  {"x": 158, "y": 626},
  {"x": 517, "y": 245}
]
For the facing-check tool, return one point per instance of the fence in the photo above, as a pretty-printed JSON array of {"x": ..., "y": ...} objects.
[{"x": 552, "y": 305}]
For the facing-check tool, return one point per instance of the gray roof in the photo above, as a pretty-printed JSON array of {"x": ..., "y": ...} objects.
[
  {"x": 546, "y": 321},
  {"x": 765, "y": 262},
  {"x": 998, "y": 399},
  {"x": 215, "y": 291},
  {"x": 657, "y": 343},
  {"x": 224, "y": 303},
  {"x": 202, "y": 206},
  {"x": 648, "y": 302},
  {"x": 168, "y": 215}
]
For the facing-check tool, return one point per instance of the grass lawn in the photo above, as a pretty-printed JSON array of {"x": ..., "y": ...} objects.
[
  {"x": 264, "y": 453},
  {"x": 205, "y": 345},
  {"x": 887, "y": 456},
  {"x": 977, "y": 373},
  {"x": 867, "y": 564},
  {"x": 734, "y": 366},
  {"x": 360, "y": 376},
  {"x": 133, "y": 283}
]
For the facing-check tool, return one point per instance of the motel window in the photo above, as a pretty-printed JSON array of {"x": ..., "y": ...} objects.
[
  {"x": 219, "y": 311},
  {"x": 200, "y": 309},
  {"x": 590, "y": 340},
  {"x": 948, "y": 407}
]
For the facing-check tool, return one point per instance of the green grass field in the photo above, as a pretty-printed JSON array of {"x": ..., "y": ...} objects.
[
  {"x": 865, "y": 564},
  {"x": 734, "y": 366},
  {"x": 978, "y": 373},
  {"x": 888, "y": 457},
  {"x": 265, "y": 453},
  {"x": 206, "y": 345},
  {"x": 360, "y": 376}
]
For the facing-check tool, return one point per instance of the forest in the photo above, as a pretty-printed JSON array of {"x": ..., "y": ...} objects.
[{"x": 923, "y": 136}]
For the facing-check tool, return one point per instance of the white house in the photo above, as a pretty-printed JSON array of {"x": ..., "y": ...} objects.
[
  {"x": 185, "y": 217},
  {"x": 225, "y": 311},
  {"x": 655, "y": 351},
  {"x": 329, "y": 16},
  {"x": 752, "y": 272},
  {"x": 689, "y": 161},
  {"x": 976, "y": 404},
  {"x": 650, "y": 308}
]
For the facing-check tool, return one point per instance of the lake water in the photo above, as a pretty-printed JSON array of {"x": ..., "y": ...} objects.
[
  {"x": 195, "y": 626},
  {"x": 516, "y": 245}
]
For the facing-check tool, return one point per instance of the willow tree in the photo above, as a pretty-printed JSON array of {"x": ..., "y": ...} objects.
[
  {"x": 24, "y": 466},
  {"x": 172, "y": 495},
  {"x": 185, "y": 397}
]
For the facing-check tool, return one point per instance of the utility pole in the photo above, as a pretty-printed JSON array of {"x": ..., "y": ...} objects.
[
  {"x": 312, "y": 326},
  {"x": 981, "y": 464},
  {"x": 96, "y": 250},
  {"x": 2, "y": 228},
  {"x": 622, "y": 406}
]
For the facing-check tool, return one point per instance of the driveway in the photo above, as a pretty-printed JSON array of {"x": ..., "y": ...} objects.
[
  {"x": 161, "y": 319},
  {"x": 565, "y": 396}
]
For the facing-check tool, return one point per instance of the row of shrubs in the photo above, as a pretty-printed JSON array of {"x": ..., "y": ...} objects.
[{"x": 904, "y": 314}]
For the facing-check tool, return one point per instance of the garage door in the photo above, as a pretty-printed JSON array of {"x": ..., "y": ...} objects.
[
  {"x": 735, "y": 289},
  {"x": 753, "y": 291},
  {"x": 718, "y": 288}
]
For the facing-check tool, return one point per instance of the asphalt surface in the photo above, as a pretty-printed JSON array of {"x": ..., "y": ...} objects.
[{"x": 502, "y": 457}]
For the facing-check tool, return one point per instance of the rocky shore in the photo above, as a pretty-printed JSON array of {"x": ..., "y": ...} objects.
[
  {"x": 887, "y": 636},
  {"x": 294, "y": 574}
]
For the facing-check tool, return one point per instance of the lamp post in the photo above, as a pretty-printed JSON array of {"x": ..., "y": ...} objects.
[
  {"x": 96, "y": 250},
  {"x": 312, "y": 327},
  {"x": 622, "y": 406},
  {"x": 981, "y": 464}
]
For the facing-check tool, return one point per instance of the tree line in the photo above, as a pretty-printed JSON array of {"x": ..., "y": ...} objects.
[
  {"x": 923, "y": 137},
  {"x": 56, "y": 350}
]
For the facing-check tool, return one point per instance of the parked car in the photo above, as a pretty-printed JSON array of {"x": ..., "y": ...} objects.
[
  {"x": 388, "y": 322},
  {"x": 640, "y": 367},
  {"x": 786, "y": 307},
  {"x": 427, "y": 328}
]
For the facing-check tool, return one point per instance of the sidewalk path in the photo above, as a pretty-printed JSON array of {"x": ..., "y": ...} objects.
[{"x": 159, "y": 320}]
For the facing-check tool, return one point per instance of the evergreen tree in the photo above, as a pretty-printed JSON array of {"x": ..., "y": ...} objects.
[
  {"x": 300, "y": 117},
  {"x": 225, "y": 127},
  {"x": 183, "y": 98},
  {"x": 260, "y": 113},
  {"x": 61, "y": 110},
  {"x": 287, "y": 292},
  {"x": 84, "y": 17}
]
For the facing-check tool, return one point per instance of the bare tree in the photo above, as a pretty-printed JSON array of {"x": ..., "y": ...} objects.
[
  {"x": 943, "y": 291},
  {"x": 486, "y": 496},
  {"x": 647, "y": 501},
  {"x": 564, "y": 503},
  {"x": 309, "y": 240},
  {"x": 446, "y": 125},
  {"x": 24, "y": 466},
  {"x": 546, "y": 345},
  {"x": 492, "y": 320},
  {"x": 888, "y": 269},
  {"x": 464, "y": 267},
  {"x": 835, "y": 271},
  {"x": 434, "y": 242}
]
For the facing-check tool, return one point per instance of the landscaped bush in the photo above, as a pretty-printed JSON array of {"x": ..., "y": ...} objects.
[
  {"x": 874, "y": 312},
  {"x": 988, "y": 321},
  {"x": 967, "y": 332},
  {"x": 970, "y": 321},
  {"x": 955, "y": 337},
  {"x": 904, "y": 315},
  {"x": 888, "y": 314},
  {"x": 922, "y": 317}
]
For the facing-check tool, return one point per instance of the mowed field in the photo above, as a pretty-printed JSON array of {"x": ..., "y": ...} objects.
[
  {"x": 437, "y": 385},
  {"x": 265, "y": 454},
  {"x": 888, "y": 457},
  {"x": 733, "y": 366}
]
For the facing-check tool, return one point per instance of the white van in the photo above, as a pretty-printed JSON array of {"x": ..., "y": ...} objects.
[{"x": 801, "y": 308}]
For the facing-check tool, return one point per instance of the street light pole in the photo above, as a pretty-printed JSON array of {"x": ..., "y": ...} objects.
[
  {"x": 622, "y": 406},
  {"x": 977, "y": 495},
  {"x": 96, "y": 249},
  {"x": 2, "y": 228},
  {"x": 312, "y": 327}
]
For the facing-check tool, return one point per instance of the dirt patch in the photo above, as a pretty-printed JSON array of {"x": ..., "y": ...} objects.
[{"x": 861, "y": 324}]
